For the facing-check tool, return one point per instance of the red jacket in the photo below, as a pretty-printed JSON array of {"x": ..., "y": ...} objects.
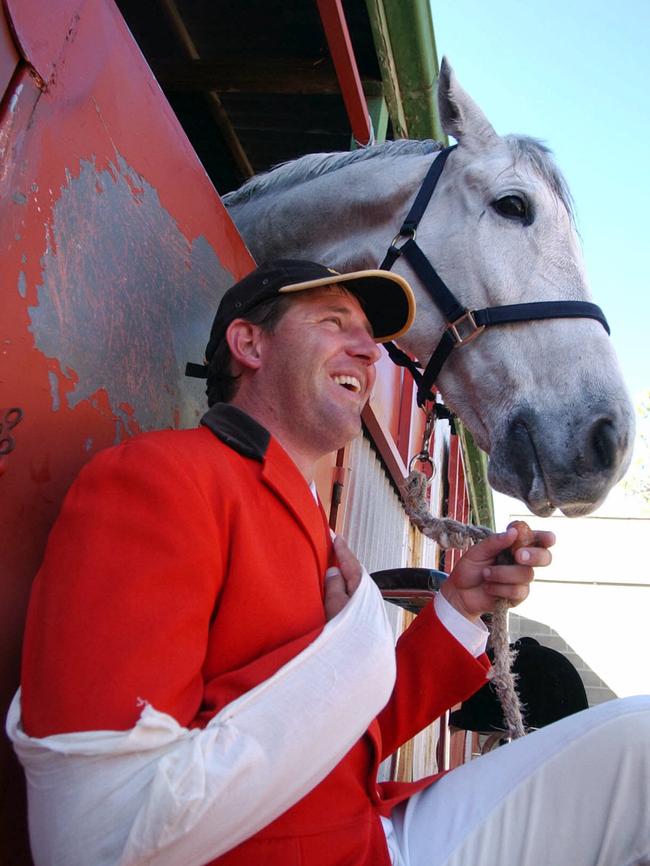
[{"x": 187, "y": 567}]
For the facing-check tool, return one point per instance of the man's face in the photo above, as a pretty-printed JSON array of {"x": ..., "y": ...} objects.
[{"x": 318, "y": 370}]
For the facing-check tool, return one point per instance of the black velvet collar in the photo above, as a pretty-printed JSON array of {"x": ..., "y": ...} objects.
[{"x": 238, "y": 430}]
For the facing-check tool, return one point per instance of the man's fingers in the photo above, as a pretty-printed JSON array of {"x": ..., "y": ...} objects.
[
  {"x": 508, "y": 575},
  {"x": 511, "y": 582},
  {"x": 487, "y": 549},
  {"x": 533, "y": 556},
  {"x": 350, "y": 567},
  {"x": 336, "y": 594},
  {"x": 514, "y": 593},
  {"x": 543, "y": 538}
]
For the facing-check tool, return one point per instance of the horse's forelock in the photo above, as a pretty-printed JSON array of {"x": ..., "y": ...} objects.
[{"x": 540, "y": 158}]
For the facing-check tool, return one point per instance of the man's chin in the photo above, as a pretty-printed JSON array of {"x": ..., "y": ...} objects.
[{"x": 342, "y": 430}]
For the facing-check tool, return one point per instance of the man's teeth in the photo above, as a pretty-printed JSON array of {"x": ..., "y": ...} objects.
[{"x": 349, "y": 382}]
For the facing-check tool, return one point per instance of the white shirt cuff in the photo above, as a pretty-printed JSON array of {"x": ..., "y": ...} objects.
[{"x": 473, "y": 636}]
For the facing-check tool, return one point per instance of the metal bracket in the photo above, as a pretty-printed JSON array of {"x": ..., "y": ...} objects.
[
  {"x": 8, "y": 420},
  {"x": 423, "y": 456}
]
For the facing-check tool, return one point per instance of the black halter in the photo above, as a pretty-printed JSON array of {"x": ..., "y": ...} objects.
[{"x": 463, "y": 325}]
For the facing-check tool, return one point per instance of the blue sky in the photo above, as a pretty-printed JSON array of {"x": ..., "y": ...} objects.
[{"x": 575, "y": 74}]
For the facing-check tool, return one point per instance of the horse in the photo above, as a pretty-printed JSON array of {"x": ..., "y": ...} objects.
[{"x": 545, "y": 399}]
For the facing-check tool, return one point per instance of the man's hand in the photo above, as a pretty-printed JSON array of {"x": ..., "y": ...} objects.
[
  {"x": 477, "y": 581},
  {"x": 341, "y": 582}
]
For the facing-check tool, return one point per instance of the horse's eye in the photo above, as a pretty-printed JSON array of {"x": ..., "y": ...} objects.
[{"x": 512, "y": 207}]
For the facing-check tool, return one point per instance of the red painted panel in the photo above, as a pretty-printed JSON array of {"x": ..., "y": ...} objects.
[
  {"x": 454, "y": 508},
  {"x": 115, "y": 249},
  {"x": 386, "y": 396},
  {"x": 405, "y": 420},
  {"x": 9, "y": 55},
  {"x": 340, "y": 46},
  {"x": 42, "y": 31}
]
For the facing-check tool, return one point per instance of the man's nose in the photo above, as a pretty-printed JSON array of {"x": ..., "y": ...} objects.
[{"x": 365, "y": 347}]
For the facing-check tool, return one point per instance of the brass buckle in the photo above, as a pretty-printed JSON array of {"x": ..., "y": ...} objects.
[{"x": 464, "y": 329}]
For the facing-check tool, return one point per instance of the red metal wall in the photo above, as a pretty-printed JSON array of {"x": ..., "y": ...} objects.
[{"x": 114, "y": 249}]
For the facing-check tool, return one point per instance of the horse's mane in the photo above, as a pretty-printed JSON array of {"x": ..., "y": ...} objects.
[{"x": 289, "y": 174}]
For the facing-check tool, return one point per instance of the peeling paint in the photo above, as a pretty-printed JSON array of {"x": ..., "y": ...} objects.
[
  {"x": 19, "y": 198},
  {"x": 13, "y": 102},
  {"x": 130, "y": 305},
  {"x": 54, "y": 390},
  {"x": 115, "y": 312}
]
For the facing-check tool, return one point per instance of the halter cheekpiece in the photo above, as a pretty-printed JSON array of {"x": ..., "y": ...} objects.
[{"x": 463, "y": 325}]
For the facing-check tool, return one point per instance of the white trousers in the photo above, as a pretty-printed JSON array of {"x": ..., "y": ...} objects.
[{"x": 576, "y": 793}]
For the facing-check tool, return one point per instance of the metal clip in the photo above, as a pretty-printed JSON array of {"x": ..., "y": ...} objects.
[
  {"x": 464, "y": 329},
  {"x": 408, "y": 235},
  {"x": 423, "y": 455}
]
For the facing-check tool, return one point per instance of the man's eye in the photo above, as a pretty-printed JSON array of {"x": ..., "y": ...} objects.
[{"x": 335, "y": 320}]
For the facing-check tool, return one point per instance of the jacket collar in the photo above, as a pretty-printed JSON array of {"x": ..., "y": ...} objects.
[
  {"x": 246, "y": 436},
  {"x": 238, "y": 430}
]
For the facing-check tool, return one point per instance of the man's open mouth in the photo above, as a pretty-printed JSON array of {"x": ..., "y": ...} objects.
[{"x": 351, "y": 383}]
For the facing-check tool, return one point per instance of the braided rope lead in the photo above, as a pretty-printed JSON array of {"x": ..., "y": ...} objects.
[
  {"x": 460, "y": 536},
  {"x": 501, "y": 675}
]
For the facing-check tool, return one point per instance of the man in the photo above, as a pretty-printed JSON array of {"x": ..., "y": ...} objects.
[{"x": 208, "y": 678}]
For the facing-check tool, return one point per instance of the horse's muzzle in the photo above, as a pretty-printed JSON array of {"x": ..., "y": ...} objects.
[{"x": 555, "y": 460}]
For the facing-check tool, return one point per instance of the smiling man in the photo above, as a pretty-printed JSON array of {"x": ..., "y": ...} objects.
[
  {"x": 308, "y": 376},
  {"x": 209, "y": 678}
]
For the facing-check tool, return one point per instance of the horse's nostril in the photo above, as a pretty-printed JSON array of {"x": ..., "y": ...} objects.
[{"x": 603, "y": 444}]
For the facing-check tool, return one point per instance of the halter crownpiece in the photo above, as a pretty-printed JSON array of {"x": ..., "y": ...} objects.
[{"x": 463, "y": 325}]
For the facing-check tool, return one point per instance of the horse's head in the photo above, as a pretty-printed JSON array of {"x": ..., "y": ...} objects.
[{"x": 545, "y": 399}]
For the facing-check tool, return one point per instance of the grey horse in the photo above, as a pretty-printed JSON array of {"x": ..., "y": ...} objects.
[{"x": 545, "y": 399}]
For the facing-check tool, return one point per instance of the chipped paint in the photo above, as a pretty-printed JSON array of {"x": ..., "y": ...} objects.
[
  {"x": 98, "y": 310},
  {"x": 13, "y": 102},
  {"x": 111, "y": 286},
  {"x": 54, "y": 390}
]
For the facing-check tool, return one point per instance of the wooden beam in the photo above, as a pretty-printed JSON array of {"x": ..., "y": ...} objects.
[
  {"x": 255, "y": 75},
  {"x": 388, "y": 66},
  {"x": 385, "y": 445},
  {"x": 218, "y": 112}
]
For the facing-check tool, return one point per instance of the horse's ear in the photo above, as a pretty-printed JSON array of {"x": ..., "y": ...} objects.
[{"x": 459, "y": 114}]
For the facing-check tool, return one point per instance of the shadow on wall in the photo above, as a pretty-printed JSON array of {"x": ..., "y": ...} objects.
[{"x": 597, "y": 690}]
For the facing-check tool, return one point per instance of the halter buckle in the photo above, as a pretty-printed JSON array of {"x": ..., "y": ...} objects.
[
  {"x": 464, "y": 329},
  {"x": 408, "y": 235}
]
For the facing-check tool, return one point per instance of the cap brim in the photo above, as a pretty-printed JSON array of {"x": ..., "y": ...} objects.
[{"x": 387, "y": 298}]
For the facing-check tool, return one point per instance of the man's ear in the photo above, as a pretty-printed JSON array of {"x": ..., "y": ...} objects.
[{"x": 244, "y": 342}]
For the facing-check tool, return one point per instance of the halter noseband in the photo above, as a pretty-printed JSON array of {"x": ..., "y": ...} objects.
[{"x": 463, "y": 325}]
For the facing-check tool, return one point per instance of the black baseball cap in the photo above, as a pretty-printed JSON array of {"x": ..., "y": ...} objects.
[{"x": 387, "y": 298}]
